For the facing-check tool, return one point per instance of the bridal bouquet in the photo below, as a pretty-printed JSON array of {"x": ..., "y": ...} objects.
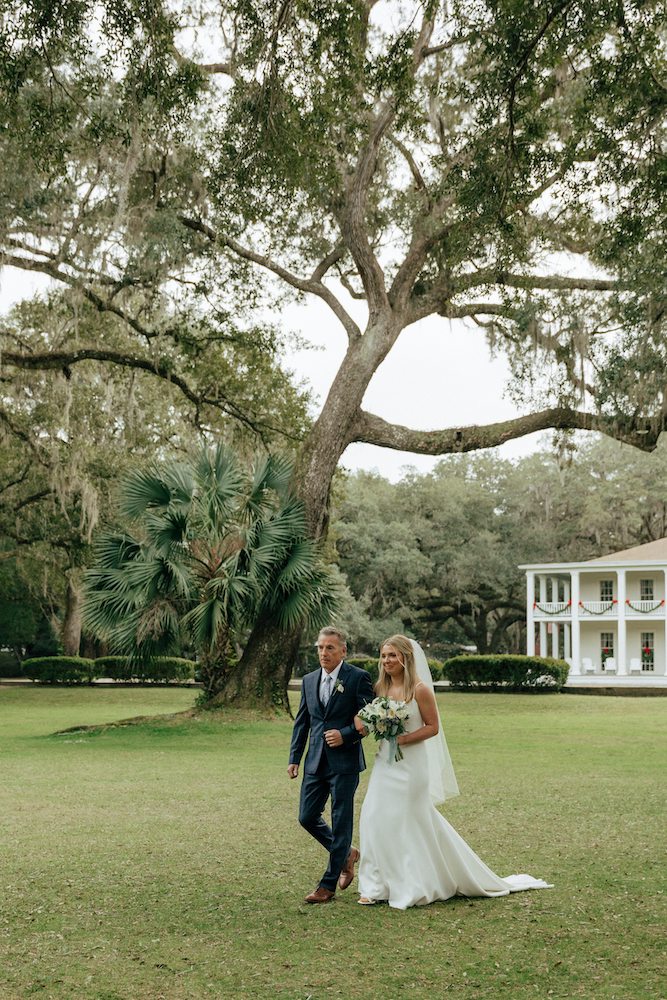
[{"x": 385, "y": 719}]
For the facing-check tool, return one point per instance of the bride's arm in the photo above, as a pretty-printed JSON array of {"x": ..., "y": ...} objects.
[
  {"x": 360, "y": 727},
  {"x": 429, "y": 713}
]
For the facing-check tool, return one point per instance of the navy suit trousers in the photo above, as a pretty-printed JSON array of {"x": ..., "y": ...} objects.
[{"x": 315, "y": 790}]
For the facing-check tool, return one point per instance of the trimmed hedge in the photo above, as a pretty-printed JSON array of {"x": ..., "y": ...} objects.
[
  {"x": 159, "y": 670},
  {"x": 371, "y": 665},
  {"x": 506, "y": 673},
  {"x": 78, "y": 670},
  {"x": 365, "y": 663},
  {"x": 60, "y": 669}
]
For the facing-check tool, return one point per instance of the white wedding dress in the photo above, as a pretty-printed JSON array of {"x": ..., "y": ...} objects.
[{"x": 410, "y": 854}]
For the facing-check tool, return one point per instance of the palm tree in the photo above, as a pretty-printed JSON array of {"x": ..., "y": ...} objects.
[{"x": 212, "y": 547}]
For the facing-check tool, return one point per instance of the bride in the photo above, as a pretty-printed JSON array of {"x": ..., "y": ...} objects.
[{"x": 410, "y": 854}]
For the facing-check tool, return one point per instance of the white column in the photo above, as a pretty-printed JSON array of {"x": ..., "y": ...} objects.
[
  {"x": 622, "y": 651},
  {"x": 576, "y": 645},
  {"x": 544, "y": 650},
  {"x": 555, "y": 631},
  {"x": 543, "y": 589},
  {"x": 554, "y": 588},
  {"x": 567, "y": 644},
  {"x": 530, "y": 613}
]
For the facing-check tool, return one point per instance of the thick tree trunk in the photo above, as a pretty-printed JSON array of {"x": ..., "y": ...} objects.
[
  {"x": 261, "y": 677},
  {"x": 71, "y": 630},
  {"x": 217, "y": 666}
]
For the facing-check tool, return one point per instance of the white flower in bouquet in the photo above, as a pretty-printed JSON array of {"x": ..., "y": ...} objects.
[{"x": 385, "y": 719}]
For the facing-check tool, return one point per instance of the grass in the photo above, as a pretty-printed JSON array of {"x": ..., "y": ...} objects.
[{"x": 164, "y": 862}]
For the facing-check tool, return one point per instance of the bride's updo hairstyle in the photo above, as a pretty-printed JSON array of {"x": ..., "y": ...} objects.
[{"x": 403, "y": 647}]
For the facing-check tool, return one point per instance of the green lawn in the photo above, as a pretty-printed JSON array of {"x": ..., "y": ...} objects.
[{"x": 165, "y": 861}]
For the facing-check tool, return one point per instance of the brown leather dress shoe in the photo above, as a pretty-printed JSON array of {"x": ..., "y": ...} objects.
[
  {"x": 347, "y": 874},
  {"x": 320, "y": 895}
]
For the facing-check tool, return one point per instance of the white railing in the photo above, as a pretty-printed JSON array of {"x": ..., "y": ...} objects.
[
  {"x": 598, "y": 607},
  {"x": 645, "y": 607},
  {"x": 552, "y": 607}
]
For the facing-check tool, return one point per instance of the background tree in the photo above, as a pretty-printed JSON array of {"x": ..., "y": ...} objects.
[
  {"x": 214, "y": 548},
  {"x": 68, "y": 434},
  {"x": 499, "y": 162},
  {"x": 438, "y": 554}
]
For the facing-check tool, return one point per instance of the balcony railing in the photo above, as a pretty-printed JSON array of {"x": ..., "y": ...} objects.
[
  {"x": 598, "y": 607},
  {"x": 552, "y": 607},
  {"x": 645, "y": 607}
]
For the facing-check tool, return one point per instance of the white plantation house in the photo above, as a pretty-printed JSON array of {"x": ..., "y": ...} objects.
[{"x": 607, "y": 617}]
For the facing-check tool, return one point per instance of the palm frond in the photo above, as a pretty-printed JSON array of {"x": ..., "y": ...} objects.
[
  {"x": 143, "y": 490},
  {"x": 220, "y": 481},
  {"x": 167, "y": 529},
  {"x": 158, "y": 625},
  {"x": 271, "y": 478},
  {"x": 277, "y": 474},
  {"x": 312, "y": 600},
  {"x": 299, "y": 564},
  {"x": 205, "y": 622},
  {"x": 114, "y": 549}
]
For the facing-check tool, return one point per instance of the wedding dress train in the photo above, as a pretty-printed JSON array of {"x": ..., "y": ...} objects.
[{"x": 410, "y": 854}]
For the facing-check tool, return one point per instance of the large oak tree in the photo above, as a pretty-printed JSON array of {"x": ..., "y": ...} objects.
[{"x": 497, "y": 161}]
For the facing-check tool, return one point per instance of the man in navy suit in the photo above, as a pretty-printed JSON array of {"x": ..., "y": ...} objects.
[{"x": 330, "y": 699}]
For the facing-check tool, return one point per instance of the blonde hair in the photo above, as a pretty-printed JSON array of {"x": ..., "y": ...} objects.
[{"x": 403, "y": 647}]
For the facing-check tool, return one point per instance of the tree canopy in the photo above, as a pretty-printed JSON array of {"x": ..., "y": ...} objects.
[
  {"x": 182, "y": 168},
  {"x": 438, "y": 555}
]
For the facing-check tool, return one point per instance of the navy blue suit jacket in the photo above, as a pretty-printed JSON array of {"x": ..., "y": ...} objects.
[{"x": 313, "y": 719}]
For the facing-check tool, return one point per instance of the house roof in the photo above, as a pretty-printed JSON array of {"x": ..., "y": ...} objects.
[{"x": 651, "y": 552}]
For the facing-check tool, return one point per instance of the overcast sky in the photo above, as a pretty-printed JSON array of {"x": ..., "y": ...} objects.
[{"x": 439, "y": 374}]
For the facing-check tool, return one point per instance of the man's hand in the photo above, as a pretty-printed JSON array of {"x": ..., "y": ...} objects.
[
  {"x": 293, "y": 770},
  {"x": 333, "y": 738}
]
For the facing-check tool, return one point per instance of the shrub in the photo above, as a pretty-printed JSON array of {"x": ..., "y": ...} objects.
[
  {"x": 368, "y": 663},
  {"x": 9, "y": 664},
  {"x": 116, "y": 668},
  {"x": 435, "y": 666},
  {"x": 160, "y": 669},
  {"x": 505, "y": 672},
  {"x": 60, "y": 669},
  {"x": 169, "y": 668}
]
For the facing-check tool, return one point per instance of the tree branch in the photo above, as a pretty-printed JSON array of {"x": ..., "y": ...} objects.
[
  {"x": 101, "y": 304},
  {"x": 545, "y": 282},
  {"x": 312, "y": 285},
  {"x": 328, "y": 262},
  {"x": 371, "y": 429},
  {"x": 434, "y": 50},
  {"x": 162, "y": 369},
  {"x": 353, "y": 218}
]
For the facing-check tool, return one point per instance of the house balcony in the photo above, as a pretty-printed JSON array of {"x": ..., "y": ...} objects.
[
  {"x": 552, "y": 609},
  {"x": 645, "y": 609},
  {"x": 598, "y": 609}
]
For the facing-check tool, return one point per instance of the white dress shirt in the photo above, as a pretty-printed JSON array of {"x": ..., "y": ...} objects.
[{"x": 334, "y": 678}]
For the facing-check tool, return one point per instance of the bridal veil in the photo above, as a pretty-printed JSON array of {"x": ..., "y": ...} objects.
[{"x": 442, "y": 780}]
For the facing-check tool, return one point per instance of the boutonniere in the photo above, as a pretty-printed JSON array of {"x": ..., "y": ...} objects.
[{"x": 338, "y": 687}]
